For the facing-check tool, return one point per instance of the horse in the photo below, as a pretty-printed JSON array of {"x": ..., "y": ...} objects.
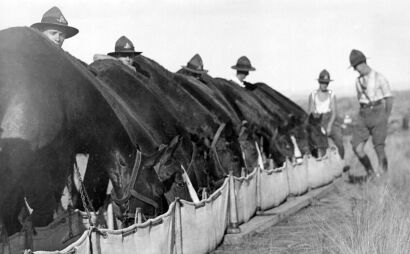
[
  {"x": 51, "y": 108},
  {"x": 211, "y": 129}
]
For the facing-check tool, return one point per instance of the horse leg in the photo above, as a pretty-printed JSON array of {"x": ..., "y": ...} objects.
[
  {"x": 47, "y": 177},
  {"x": 9, "y": 223},
  {"x": 40, "y": 196},
  {"x": 4, "y": 243}
]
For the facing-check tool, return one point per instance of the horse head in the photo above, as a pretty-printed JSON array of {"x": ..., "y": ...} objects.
[
  {"x": 317, "y": 137},
  {"x": 246, "y": 139},
  {"x": 137, "y": 179}
]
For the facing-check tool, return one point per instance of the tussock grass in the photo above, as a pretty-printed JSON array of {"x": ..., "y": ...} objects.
[{"x": 378, "y": 220}]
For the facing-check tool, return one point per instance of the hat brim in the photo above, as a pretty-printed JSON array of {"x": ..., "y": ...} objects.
[
  {"x": 132, "y": 53},
  {"x": 243, "y": 69},
  {"x": 353, "y": 66},
  {"x": 69, "y": 31},
  {"x": 324, "y": 80},
  {"x": 194, "y": 71}
]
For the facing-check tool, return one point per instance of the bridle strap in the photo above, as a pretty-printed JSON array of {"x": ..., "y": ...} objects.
[
  {"x": 134, "y": 176},
  {"x": 130, "y": 191},
  {"x": 143, "y": 198},
  {"x": 135, "y": 171},
  {"x": 218, "y": 134}
]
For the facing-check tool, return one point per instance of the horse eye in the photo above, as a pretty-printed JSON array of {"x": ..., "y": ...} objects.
[{"x": 122, "y": 163}]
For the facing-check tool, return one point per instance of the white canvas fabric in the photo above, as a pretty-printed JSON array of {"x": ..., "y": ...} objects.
[
  {"x": 245, "y": 192},
  {"x": 63, "y": 231},
  {"x": 153, "y": 236},
  {"x": 199, "y": 227},
  {"x": 274, "y": 187},
  {"x": 81, "y": 246},
  {"x": 297, "y": 177},
  {"x": 203, "y": 225},
  {"x": 319, "y": 172}
]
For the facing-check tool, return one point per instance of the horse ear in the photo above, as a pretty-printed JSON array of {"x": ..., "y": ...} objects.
[
  {"x": 164, "y": 152},
  {"x": 275, "y": 133},
  {"x": 174, "y": 142}
]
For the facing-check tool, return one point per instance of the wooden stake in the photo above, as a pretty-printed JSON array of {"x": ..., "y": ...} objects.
[
  {"x": 110, "y": 217},
  {"x": 233, "y": 227},
  {"x": 191, "y": 189}
]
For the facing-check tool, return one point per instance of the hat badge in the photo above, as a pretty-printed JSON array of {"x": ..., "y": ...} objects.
[
  {"x": 61, "y": 19},
  {"x": 127, "y": 46}
]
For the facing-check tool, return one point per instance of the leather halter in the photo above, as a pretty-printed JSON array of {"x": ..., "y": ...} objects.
[{"x": 130, "y": 191}]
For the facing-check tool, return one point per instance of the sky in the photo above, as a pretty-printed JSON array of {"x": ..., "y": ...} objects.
[{"x": 288, "y": 41}]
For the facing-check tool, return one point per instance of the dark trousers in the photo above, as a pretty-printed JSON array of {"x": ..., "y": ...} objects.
[{"x": 372, "y": 121}]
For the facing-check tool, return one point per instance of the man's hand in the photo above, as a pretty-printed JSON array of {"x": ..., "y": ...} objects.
[
  {"x": 316, "y": 115},
  {"x": 388, "y": 101},
  {"x": 329, "y": 129}
]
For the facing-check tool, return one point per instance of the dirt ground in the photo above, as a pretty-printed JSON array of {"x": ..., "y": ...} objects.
[
  {"x": 302, "y": 232},
  {"x": 305, "y": 232}
]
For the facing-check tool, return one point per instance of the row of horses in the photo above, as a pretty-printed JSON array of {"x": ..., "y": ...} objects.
[{"x": 139, "y": 128}]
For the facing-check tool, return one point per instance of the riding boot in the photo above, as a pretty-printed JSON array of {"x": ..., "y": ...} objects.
[
  {"x": 367, "y": 165},
  {"x": 381, "y": 155}
]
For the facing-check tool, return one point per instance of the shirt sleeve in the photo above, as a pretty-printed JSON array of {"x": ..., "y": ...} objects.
[
  {"x": 384, "y": 86},
  {"x": 358, "y": 90}
]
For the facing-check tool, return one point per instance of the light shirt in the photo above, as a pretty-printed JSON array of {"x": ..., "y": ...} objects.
[
  {"x": 322, "y": 106},
  {"x": 375, "y": 86},
  {"x": 237, "y": 81}
]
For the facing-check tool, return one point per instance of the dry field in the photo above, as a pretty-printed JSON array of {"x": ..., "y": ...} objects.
[{"x": 355, "y": 218}]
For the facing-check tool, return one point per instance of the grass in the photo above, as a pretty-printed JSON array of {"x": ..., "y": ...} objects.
[
  {"x": 354, "y": 218},
  {"x": 378, "y": 220}
]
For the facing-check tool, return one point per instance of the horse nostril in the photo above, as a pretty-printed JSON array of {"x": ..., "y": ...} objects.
[{"x": 235, "y": 159}]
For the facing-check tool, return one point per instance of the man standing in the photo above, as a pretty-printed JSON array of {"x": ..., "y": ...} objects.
[
  {"x": 323, "y": 111},
  {"x": 55, "y": 27},
  {"x": 376, "y": 102},
  {"x": 242, "y": 67}
]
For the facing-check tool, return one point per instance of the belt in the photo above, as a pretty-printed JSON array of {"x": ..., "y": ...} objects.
[{"x": 371, "y": 105}]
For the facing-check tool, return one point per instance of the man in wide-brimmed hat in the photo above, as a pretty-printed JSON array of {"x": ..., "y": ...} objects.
[
  {"x": 124, "y": 51},
  {"x": 55, "y": 27},
  {"x": 243, "y": 67},
  {"x": 323, "y": 110},
  {"x": 194, "y": 68},
  {"x": 376, "y": 102}
]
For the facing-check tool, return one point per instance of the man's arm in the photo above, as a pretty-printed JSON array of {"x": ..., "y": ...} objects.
[
  {"x": 309, "y": 111},
  {"x": 333, "y": 111},
  {"x": 387, "y": 93},
  {"x": 358, "y": 92},
  {"x": 388, "y": 101}
]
